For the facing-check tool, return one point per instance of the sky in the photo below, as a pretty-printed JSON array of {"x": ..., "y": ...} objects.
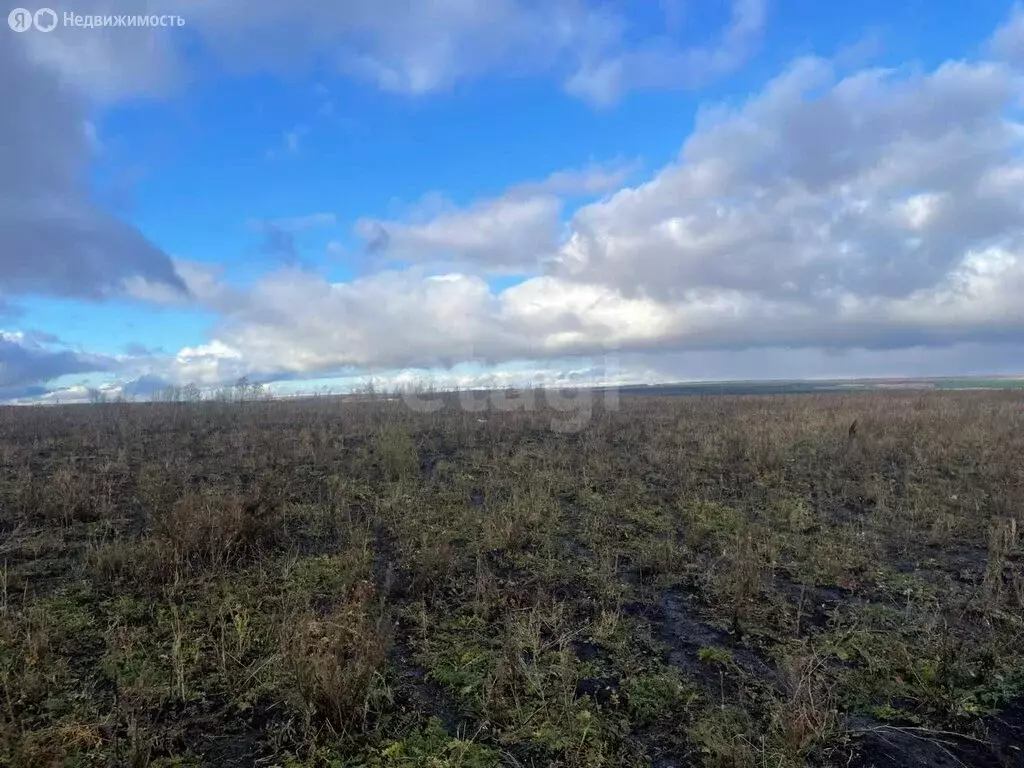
[{"x": 315, "y": 194}]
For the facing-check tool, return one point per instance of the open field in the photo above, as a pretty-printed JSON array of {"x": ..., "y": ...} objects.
[{"x": 717, "y": 581}]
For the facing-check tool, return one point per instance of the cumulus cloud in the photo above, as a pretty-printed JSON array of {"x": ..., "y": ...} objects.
[
  {"x": 509, "y": 232},
  {"x": 819, "y": 190},
  {"x": 107, "y": 64},
  {"x": 610, "y": 70},
  {"x": 1008, "y": 40},
  {"x": 53, "y": 237},
  {"x": 389, "y": 318},
  {"x": 502, "y": 233},
  {"x": 203, "y": 284},
  {"x": 595, "y": 179},
  {"x": 297, "y": 324}
]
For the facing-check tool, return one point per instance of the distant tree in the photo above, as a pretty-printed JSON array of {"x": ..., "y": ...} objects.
[
  {"x": 168, "y": 394},
  {"x": 241, "y": 386},
  {"x": 192, "y": 393}
]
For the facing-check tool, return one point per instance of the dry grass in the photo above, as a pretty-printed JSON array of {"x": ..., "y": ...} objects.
[{"x": 727, "y": 581}]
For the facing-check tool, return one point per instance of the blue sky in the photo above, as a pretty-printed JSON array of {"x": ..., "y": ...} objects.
[{"x": 317, "y": 193}]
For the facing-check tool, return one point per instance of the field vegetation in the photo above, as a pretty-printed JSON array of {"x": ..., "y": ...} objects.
[{"x": 790, "y": 580}]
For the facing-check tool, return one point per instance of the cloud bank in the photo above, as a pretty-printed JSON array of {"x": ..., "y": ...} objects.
[
  {"x": 872, "y": 216},
  {"x": 878, "y": 210}
]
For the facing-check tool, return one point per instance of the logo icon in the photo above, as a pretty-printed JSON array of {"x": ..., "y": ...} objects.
[
  {"x": 45, "y": 20},
  {"x": 20, "y": 20}
]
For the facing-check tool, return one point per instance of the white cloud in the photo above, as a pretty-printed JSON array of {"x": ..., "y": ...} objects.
[
  {"x": 595, "y": 179},
  {"x": 209, "y": 364},
  {"x": 837, "y": 215},
  {"x": 202, "y": 283},
  {"x": 410, "y": 48},
  {"x": 661, "y": 63},
  {"x": 306, "y": 221},
  {"x": 511, "y": 232},
  {"x": 1008, "y": 40},
  {"x": 873, "y": 185},
  {"x": 109, "y": 63},
  {"x": 502, "y": 233}
]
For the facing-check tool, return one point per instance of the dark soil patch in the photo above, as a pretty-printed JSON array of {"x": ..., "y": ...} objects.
[
  {"x": 997, "y": 741},
  {"x": 574, "y": 547},
  {"x": 677, "y": 623},
  {"x": 816, "y": 605},
  {"x": 586, "y": 651},
  {"x": 238, "y": 739},
  {"x": 882, "y": 746},
  {"x": 428, "y": 466},
  {"x": 601, "y": 690},
  {"x": 392, "y": 582},
  {"x": 851, "y": 513},
  {"x": 416, "y": 693},
  {"x": 1006, "y": 730}
]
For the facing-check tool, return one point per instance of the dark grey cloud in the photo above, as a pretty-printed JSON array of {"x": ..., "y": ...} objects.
[
  {"x": 32, "y": 392},
  {"x": 54, "y": 238},
  {"x": 28, "y": 361}
]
